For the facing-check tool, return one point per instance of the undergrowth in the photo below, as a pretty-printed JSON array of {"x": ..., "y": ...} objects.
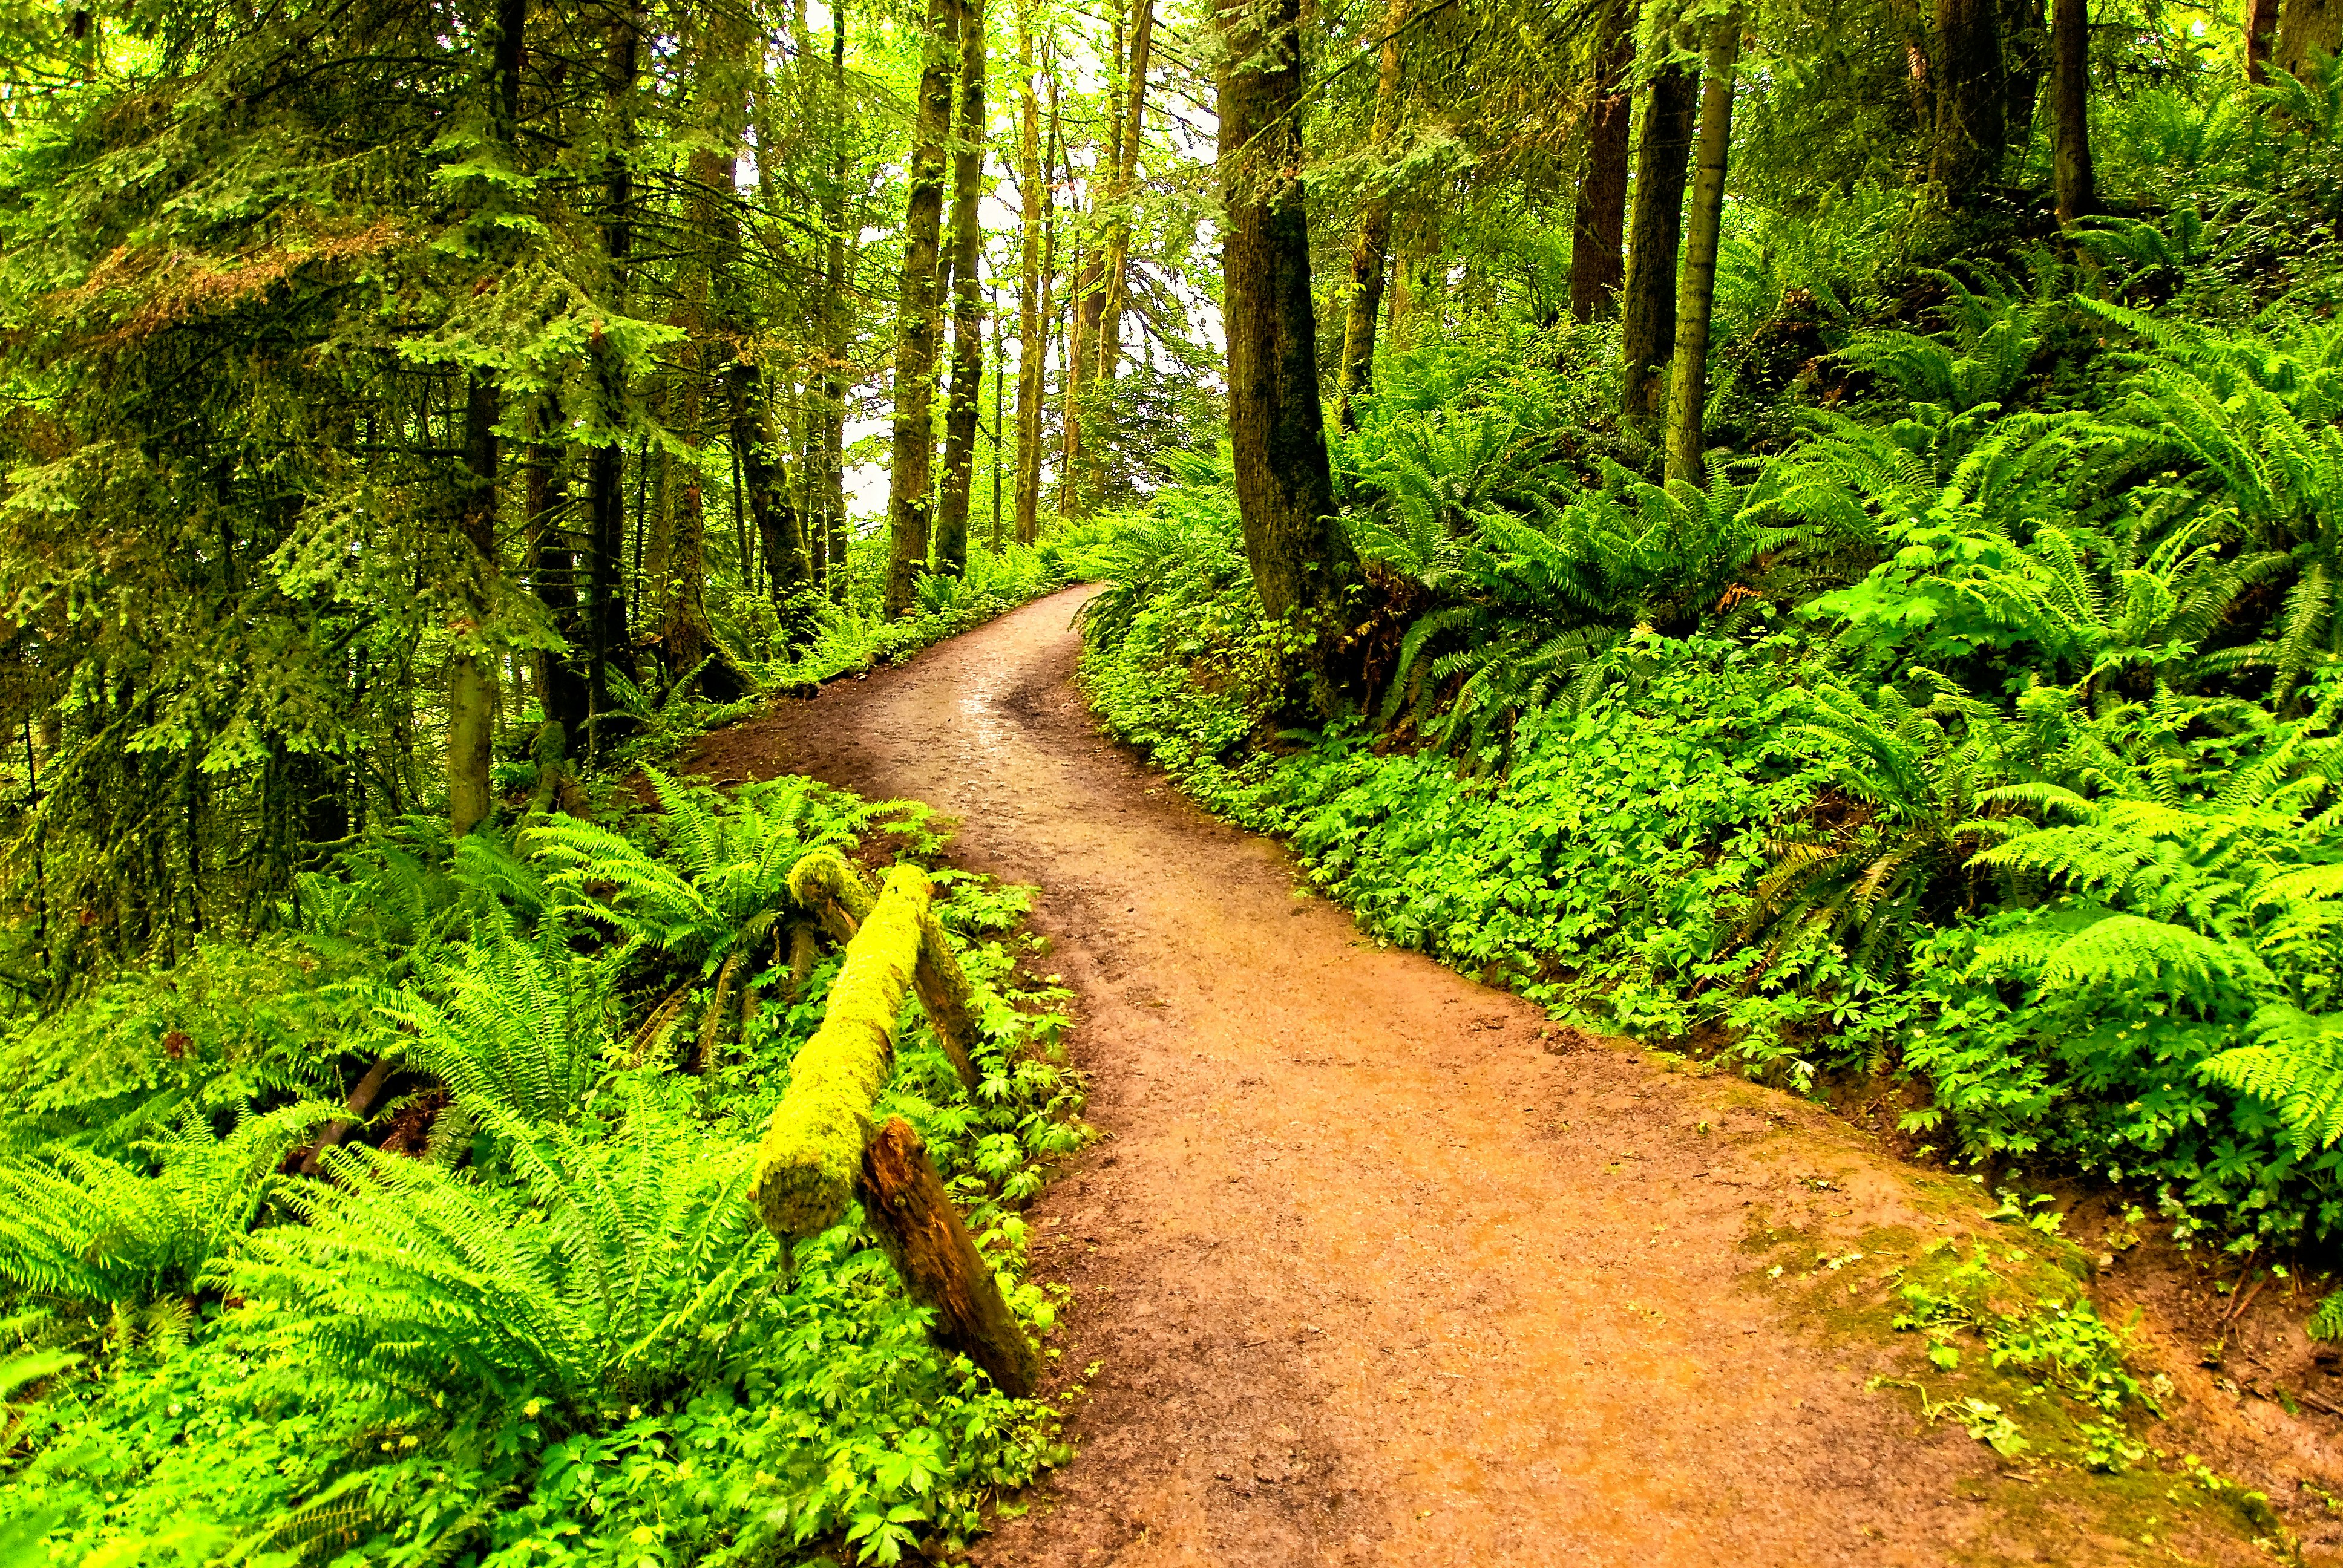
[{"x": 527, "y": 1314}]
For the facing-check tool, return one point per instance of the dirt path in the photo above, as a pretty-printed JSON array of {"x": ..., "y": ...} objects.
[{"x": 1374, "y": 1272}]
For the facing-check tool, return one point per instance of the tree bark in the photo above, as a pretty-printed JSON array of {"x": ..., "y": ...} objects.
[
  {"x": 2307, "y": 29},
  {"x": 1126, "y": 183},
  {"x": 605, "y": 469},
  {"x": 839, "y": 321},
  {"x": 913, "y": 440},
  {"x": 2070, "y": 90},
  {"x": 1032, "y": 311},
  {"x": 471, "y": 672},
  {"x": 2261, "y": 33},
  {"x": 1647, "y": 303},
  {"x": 969, "y": 144},
  {"x": 1688, "y": 382},
  {"x": 922, "y": 1234},
  {"x": 1972, "y": 126},
  {"x": 1598, "y": 263},
  {"x": 1302, "y": 560},
  {"x": 1370, "y": 250},
  {"x": 472, "y": 700},
  {"x": 553, "y": 576}
]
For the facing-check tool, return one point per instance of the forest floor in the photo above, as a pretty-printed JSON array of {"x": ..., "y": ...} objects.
[{"x": 1376, "y": 1266}]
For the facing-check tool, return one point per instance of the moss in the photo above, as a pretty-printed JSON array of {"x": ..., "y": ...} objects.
[
  {"x": 812, "y": 1149},
  {"x": 824, "y": 877}
]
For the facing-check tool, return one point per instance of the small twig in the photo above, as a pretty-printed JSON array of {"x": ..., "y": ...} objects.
[{"x": 2245, "y": 1299}]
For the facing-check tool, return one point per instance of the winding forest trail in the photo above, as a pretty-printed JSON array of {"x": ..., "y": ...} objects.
[{"x": 1376, "y": 1268}]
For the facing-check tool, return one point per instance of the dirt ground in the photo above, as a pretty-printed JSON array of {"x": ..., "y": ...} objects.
[{"x": 1375, "y": 1267}]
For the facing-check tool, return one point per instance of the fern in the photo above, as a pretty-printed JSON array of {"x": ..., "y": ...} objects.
[
  {"x": 598, "y": 1275},
  {"x": 2296, "y": 1066},
  {"x": 94, "y": 1230},
  {"x": 721, "y": 884},
  {"x": 505, "y": 1024}
]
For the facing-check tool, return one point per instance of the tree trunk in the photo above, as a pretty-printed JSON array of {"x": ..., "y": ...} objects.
[
  {"x": 1598, "y": 229},
  {"x": 1647, "y": 303},
  {"x": 1302, "y": 561},
  {"x": 472, "y": 670},
  {"x": 1370, "y": 250},
  {"x": 606, "y": 471},
  {"x": 2307, "y": 29},
  {"x": 1972, "y": 128},
  {"x": 968, "y": 298},
  {"x": 839, "y": 320},
  {"x": 562, "y": 682},
  {"x": 913, "y": 470},
  {"x": 1126, "y": 183},
  {"x": 1033, "y": 342},
  {"x": 2261, "y": 33},
  {"x": 780, "y": 529},
  {"x": 2070, "y": 90},
  {"x": 1082, "y": 334},
  {"x": 1688, "y": 382}
]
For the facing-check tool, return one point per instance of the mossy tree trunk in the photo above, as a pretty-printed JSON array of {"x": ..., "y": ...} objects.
[
  {"x": 1598, "y": 263},
  {"x": 1370, "y": 249},
  {"x": 1302, "y": 561},
  {"x": 1696, "y": 299},
  {"x": 2070, "y": 97},
  {"x": 1117, "y": 266},
  {"x": 969, "y": 147},
  {"x": 2307, "y": 29},
  {"x": 605, "y": 467},
  {"x": 1972, "y": 129},
  {"x": 912, "y": 442},
  {"x": 1647, "y": 303},
  {"x": 1034, "y": 204},
  {"x": 472, "y": 670}
]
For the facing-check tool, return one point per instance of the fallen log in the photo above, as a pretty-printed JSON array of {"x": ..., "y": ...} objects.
[{"x": 829, "y": 889}]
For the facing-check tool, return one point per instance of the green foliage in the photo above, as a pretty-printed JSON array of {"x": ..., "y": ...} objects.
[{"x": 565, "y": 1333}]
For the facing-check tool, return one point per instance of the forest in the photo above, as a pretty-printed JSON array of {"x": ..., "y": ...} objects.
[{"x": 1771, "y": 568}]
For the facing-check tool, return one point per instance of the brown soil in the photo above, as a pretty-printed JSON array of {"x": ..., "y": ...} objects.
[{"x": 1377, "y": 1267}]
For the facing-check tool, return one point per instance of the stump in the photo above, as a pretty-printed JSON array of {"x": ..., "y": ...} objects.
[{"x": 937, "y": 1259}]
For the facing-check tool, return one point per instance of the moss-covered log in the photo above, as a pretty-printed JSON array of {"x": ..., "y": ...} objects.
[
  {"x": 829, "y": 890},
  {"x": 813, "y": 1146}
]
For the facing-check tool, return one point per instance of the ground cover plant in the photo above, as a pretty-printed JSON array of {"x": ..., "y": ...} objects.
[
  {"x": 531, "y": 1316},
  {"x": 1967, "y": 718}
]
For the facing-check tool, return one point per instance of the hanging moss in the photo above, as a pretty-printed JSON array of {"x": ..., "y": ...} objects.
[{"x": 813, "y": 1146}]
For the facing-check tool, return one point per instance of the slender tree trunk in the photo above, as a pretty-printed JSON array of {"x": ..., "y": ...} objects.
[
  {"x": 471, "y": 672},
  {"x": 968, "y": 298},
  {"x": 999, "y": 410},
  {"x": 1370, "y": 250},
  {"x": 1302, "y": 560},
  {"x": 1647, "y": 305},
  {"x": 912, "y": 472},
  {"x": 1598, "y": 263},
  {"x": 2261, "y": 33},
  {"x": 1117, "y": 266},
  {"x": 2070, "y": 90},
  {"x": 606, "y": 471},
  {"x": 840, "y": 318},
  {"x": 1688, "y": 383},
  {"x": 1972, "y": 122},
  {"x": 1032, "y": 343},
  {"x": 561, "y": 681},
  {"x": 1082, "y": 333}
]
